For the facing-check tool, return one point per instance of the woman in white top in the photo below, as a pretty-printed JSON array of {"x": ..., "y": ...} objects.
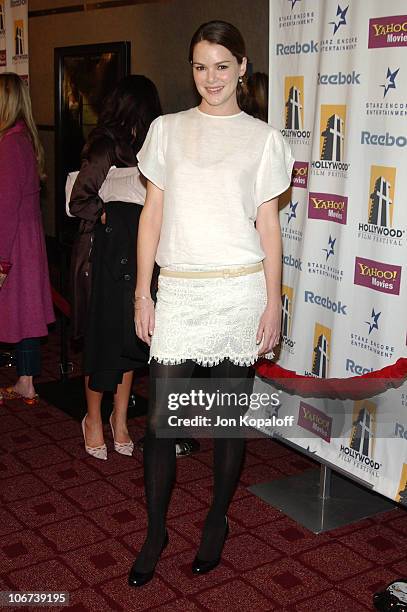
[
  {"x": 109, "y": 203},
  {"x": 211, "y": 222}
]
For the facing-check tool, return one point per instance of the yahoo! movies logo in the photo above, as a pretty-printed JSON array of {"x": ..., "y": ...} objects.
[
  {"x": 289, "y": 226},
  {"x": 379, "y": 222},
  {"x": 294, "y": 128},
  {"x": 328, "y": 207},
  {"x": 388, "y": 32},
  {"x": 315, "y": 421},
  {"x": 360, "y": 450},
  {"x": 332, "y": 142},
  {"x": 300, "y": 175},
  {"x": 377, "y": 275},
  {"x": 287, "y": 297}
]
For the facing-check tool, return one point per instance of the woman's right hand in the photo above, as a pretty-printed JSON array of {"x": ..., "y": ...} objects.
[{"x": 144, "y": 318}]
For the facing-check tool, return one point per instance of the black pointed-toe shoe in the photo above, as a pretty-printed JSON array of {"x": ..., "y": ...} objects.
[
  {"x": 138, "y": 579},
  {"x": 200, "y": 567}
]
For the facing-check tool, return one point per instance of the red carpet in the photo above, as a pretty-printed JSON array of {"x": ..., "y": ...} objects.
[{"x": 72, "y": 523}]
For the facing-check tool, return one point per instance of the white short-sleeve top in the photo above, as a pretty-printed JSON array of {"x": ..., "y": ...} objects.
[{"x": 215, "y": 172}]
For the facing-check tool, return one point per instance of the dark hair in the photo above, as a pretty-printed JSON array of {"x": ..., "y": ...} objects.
[
  {"x": 220, "y": 33},
  {"x": 253, "y": 96},
  {"x": 132, "y": 105}
]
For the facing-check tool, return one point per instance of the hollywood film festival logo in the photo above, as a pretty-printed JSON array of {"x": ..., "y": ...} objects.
[
  {"x": 295, "y": 15},
  {"x": 20, "y": 54},
  {"x": 359, "y": 453},
  {"x": 321, "y": 352},
  {"x": 287, "y": 297},
  {"x": 337, "y": 39},
  {"x": 332, "y": 160},
  {"x": 378, "y": 225},
  {"x": 369, "y": 337},
  {"x": 294, "y": 128}
]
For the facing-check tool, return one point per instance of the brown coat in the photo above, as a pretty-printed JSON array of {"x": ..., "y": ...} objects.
[{"x": 104, "y": 150}]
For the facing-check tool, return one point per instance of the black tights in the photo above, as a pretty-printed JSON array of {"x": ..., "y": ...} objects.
[{"x": 159, "y": 466}]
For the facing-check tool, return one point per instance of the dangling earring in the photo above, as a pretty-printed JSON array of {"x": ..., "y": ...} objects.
[{"x": 240, "y": 80}]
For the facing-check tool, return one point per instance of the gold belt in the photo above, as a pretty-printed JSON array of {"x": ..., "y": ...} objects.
[{"x": 225, "y": 273}]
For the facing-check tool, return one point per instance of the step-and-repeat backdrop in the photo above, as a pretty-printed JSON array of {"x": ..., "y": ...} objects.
[
  {"x": 338, "y": 93},
  {"x": 14, "y": 37}
]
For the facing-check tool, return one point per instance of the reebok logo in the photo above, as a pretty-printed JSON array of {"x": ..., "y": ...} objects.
[
  {"x": 295, "y": 49},
  {"x": 339, "y": 78},
  {"x": 325, "y": 302}
]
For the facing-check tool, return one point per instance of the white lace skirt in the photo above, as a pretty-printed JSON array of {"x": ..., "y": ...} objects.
[{"x": 208, "y": 320}]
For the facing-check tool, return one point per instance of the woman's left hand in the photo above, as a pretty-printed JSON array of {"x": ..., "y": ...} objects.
[{"x": 268, "y": 332}]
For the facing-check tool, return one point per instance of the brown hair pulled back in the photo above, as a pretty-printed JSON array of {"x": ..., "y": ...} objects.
[{"x": 225, "y": 34}]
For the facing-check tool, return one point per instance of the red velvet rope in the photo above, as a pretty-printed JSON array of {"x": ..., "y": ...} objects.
[{"x": 355, "y": 387}]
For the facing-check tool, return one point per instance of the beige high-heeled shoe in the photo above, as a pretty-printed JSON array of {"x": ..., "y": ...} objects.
[
  {"x": 98, "y": 452},
  {"x": 124, "y": 448}
]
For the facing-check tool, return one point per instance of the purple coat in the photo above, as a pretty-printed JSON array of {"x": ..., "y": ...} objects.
[{"x": 25, "y": 298}]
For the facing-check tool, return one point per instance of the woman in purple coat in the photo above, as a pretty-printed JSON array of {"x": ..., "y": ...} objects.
[{"x": 25, "y": 295}]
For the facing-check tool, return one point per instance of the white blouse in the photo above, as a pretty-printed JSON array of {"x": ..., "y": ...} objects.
[
  {"x": 215, "y": 172},
  {"x": 120, "y": 185}
]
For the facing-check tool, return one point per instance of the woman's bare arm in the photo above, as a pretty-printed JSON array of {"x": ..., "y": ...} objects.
[
  {"x": 147, "y": 243},
  {"x": 268, "y": 226}
]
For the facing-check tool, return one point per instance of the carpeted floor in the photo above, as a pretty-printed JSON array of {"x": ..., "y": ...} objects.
[{"x": 71, "y": 523}]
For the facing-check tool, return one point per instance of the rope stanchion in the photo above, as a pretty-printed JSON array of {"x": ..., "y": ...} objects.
[{"x": 355, "y": 387}]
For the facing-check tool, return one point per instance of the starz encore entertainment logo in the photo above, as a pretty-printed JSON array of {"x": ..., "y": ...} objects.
[
  {"x": 378, "y": 225},
  {"x": 294, "y": 129},
  {"x": 324, "y": 265},
  {"x": 328, "y": 207},
  {"x": 377, "y": 275},
  {"x": 390, "y": 81},
  {"x": 391, "y": 104},
  {"x": 289, "y": 226},
  {"x": 388, "y": 32},
  {"x": 295, "y": 15},
  {"x": 340, "y": 19},
  {"x": 300, "y": 175},
  {"x": 338, "y": 23},
  {"x": 366, "y": 337},
  {"x": 330, "y": 249},
  {"x": 373, "y": 323},
  {"x": 331, "y": 160}
]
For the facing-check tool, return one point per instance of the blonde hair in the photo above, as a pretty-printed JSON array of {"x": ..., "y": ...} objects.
[{"x": 15, "y": 105}]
